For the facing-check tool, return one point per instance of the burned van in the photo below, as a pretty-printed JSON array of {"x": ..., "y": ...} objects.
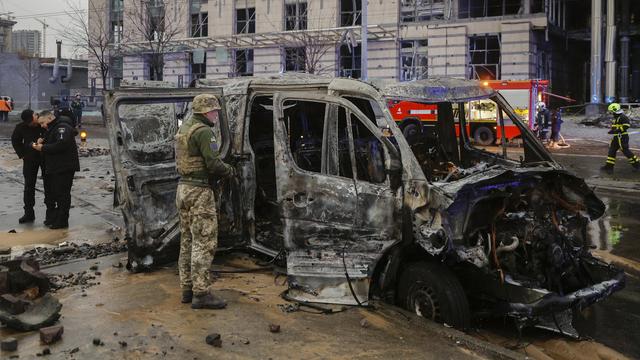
[{"x": 326, "y": 179}]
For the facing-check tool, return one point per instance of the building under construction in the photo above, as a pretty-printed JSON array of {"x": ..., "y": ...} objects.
[{"x": 404, "y": 40}]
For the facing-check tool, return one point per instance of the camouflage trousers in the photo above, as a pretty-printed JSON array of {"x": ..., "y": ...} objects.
[{"x": 198, "y": 236}]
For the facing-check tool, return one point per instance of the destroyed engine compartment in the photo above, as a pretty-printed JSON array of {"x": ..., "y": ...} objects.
[{"x": 525, "y": 230}]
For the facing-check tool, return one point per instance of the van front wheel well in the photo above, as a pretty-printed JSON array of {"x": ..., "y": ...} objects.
[{"x": 432, "y": 291}]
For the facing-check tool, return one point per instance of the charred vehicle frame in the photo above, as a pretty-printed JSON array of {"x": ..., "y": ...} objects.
[{"x": 326, "y": 177}]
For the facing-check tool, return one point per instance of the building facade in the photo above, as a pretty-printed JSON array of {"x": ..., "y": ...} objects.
[
  {"x": 406, "y": 39},
  {"x": 6, "y": 25},
  {"x": 27, "y": 42}
]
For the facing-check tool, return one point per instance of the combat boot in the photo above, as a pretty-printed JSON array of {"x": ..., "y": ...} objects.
[
  {"x": 607, "y": 169},
  {"x": 49, "y": 217},
  {"x": 28, "y": 217},
  {"x": 187, "y": 296},
  {"x": 208, "y": 301},
  {"x": 636, "y": 166}
]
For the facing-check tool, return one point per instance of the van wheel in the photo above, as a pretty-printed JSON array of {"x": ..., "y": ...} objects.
[
  {"x": 483, "y": 136},
  {"x": 432, "y": 291},
  {"x": 411, "y": 132}
]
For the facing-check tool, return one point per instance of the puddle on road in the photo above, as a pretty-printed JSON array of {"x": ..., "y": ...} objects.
[
  {"x": 615, "y": 321},
  {"x": 618, "y": 231}
]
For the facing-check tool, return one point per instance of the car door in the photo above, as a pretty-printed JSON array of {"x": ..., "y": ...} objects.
[
  {"x": 142, "y": 124},
  {"x": 328, "y": 259}
]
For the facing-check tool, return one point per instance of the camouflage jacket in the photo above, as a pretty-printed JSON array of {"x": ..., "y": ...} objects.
[{"x": 203, "y": 143}]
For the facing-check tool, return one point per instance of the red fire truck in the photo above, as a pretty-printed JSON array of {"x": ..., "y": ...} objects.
[{"x": 523, "y": 95}]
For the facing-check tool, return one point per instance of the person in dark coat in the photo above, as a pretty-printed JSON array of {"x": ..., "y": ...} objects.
[
  {"x": 76, "y": 107},
  {"x": 60, "y": 161},
  {"x": 26, "y": 133}
]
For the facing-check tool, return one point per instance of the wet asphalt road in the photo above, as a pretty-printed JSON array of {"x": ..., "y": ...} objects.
[{"x": 615, "y": 321}]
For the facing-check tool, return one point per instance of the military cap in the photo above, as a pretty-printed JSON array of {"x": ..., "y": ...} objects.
[{"x": 204, "y": 103}]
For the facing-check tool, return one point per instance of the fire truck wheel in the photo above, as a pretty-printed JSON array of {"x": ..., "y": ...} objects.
[
  {"x": 483, "y": 136},
  {"x": 411, "y": 132}
]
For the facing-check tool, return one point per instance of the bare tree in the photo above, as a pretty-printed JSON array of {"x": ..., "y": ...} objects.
[
  {"x": 315, "y": 45},
  {"x": 157, "y": 27},
  {"x": 29, "y": 73},
  {"x": 304, "y": 45},
  {"x": 95, "y": 37}
]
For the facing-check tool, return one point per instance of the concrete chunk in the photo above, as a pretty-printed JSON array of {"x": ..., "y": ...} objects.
[
  {"x": 9, "y": 344},
  {"x": 51, "y": 334}
]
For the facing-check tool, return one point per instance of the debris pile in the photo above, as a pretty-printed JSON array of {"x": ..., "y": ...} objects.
[
  {"x": 25, "y": 303},
  {"x": 604, "y": 121},
  {"x": 95, "y": 151},
  {"x": 70, "y": 251},
  {"x": 83, "y": 279}
]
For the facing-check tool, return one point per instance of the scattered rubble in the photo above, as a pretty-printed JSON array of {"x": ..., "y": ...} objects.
[
  {"x": 214, "y": 340},
  {"x": 25, "y": 304},
  {"x": 95, "y": 151},
  {"x": 51, "y": 334},
  {"x": 604, "y": 120},
  {"x": 83, "y": 279},
  {"x": 365, "y": 323},
  {"x": 9, "y": 344},
  {"x": 71, "y": 251},
  {"x": 274, "y": 328},
  {"x": 97, "y": 342}
]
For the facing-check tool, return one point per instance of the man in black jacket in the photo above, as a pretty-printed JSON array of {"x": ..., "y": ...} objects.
[
  {"x": 24, "y": 134},
  {"x": 61, "y": 162}
]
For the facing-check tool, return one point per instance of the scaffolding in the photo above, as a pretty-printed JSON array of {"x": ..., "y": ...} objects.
[{"x": 265, "y": 40}]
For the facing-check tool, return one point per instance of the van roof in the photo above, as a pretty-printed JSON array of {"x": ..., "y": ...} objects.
[{"x": 428, "y": 90}]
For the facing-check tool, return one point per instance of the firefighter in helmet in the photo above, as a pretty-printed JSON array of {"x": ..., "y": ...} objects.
[{"x": 620, "y": 141}]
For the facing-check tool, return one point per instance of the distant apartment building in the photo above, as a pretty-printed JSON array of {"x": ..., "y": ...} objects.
[
  {"x": 27, "y": 42},
  {"x": 6, "y": 26},
  {"x": 407, "y": 39}
]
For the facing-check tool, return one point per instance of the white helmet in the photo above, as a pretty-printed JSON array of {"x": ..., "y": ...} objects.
[{"x": 541, "y": 105}]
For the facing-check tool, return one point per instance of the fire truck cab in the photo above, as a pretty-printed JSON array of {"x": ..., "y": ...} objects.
[{"x": 419, "y": 119}]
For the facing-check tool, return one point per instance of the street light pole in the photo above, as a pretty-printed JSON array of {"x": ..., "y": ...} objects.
[{"x": 364, "y": 51}]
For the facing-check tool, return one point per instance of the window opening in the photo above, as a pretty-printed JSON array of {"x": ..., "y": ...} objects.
[
  {"x": 295, "y": 15},
  {"x": 245, "y": 18},
  {"x": 305, "y": 121},
  {"x": 413, "y": 60},
  {"x": 350, "y": 12},
  {"x": 349, "y": 61},
  {"x": 369, "y": 153},
  {"x": 198, "y": 64},
  {"x": 486, "y": 8},
  {"x": 421, "y": 10},
  {"x": 295, "y": 59},
  {"x": 243, "y": 62},
  {"x": 484, "y": 54}
]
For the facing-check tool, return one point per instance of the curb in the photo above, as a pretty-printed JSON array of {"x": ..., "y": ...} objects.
[{"x": 456, "y": 337}]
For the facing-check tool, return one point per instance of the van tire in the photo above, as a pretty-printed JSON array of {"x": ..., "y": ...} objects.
[
  {"x": 411, "y": 132},
  {"x": 483, "y": 136},
  {"x": 432, "y": 291}
]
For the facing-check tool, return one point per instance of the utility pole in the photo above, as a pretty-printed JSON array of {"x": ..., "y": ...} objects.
[
  {"x": 609, "y": 55},
  {"x": 596, "y": 58},
  {"x": 44, "y": 37},
  {"x": 364, "y": 53}
]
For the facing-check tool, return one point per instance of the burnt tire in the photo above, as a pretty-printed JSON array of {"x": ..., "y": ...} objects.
[
  {"x": 411, "y": 132},
  {"x": 432, "y": 291},
  {"x": 483, "y": 136}
]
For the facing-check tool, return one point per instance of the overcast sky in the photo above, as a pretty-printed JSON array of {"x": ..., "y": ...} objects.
[{"x": 51, "y": 11}]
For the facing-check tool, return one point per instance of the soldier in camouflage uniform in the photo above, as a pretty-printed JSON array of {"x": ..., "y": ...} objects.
[{"x": 198, "y": 163}]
